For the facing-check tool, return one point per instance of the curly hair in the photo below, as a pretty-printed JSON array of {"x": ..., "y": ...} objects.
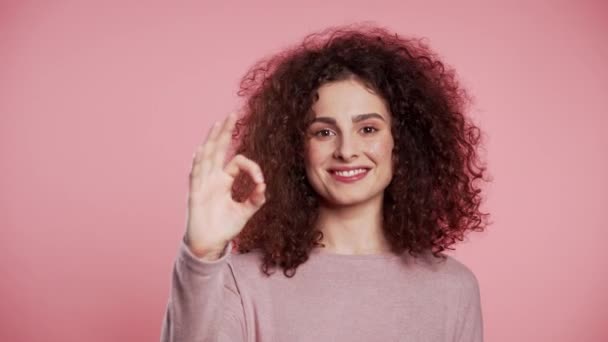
[{"x": 432, "y": 199}]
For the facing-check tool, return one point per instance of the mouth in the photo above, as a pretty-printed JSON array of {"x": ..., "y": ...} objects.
[{"x": 349, "y": 175}]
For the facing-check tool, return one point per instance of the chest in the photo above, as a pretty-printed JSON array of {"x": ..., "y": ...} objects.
[{"x": 354, "y": 308}]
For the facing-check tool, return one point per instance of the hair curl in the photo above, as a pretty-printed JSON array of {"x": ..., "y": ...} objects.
[{"x": 431, "y": 201}]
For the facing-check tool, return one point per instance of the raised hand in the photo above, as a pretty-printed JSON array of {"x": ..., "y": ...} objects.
[{"x": 214, "y": 217}]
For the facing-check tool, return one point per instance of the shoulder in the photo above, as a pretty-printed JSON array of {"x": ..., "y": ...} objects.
[
  {"x": 245, "y": 260},
  {"x": 462, "y": 277},
  {"x": 457, "y": 269},
  {"x": 248, "y": 264},
  {"x": 451, "y": 272}
]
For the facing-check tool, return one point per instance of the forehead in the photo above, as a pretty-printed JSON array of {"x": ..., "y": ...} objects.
[{"x": 348, "y": 98}]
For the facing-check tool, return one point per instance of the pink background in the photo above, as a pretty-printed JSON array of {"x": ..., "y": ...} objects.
[{"x": 102, "y": 105}]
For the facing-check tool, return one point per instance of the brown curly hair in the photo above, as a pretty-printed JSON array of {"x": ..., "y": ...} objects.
[{"x": 432, "y": 200}]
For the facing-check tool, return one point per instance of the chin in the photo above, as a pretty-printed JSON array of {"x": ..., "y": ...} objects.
[{"x": 344, "y": 201}]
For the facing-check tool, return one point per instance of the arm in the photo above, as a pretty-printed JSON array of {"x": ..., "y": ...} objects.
[
  {"x": 201, "y": 306},
  {"x": 471, "y": 317}
]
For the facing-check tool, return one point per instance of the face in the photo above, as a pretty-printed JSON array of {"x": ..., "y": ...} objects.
[{"x": 349, "y": 145}]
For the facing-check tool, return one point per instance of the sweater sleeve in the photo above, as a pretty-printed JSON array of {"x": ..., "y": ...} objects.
[
  {"x": 471, "y": 319},
  {"x": 203, "y": 306}
]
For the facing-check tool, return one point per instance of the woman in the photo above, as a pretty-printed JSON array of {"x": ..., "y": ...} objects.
[{"x": 354, "y": 166}]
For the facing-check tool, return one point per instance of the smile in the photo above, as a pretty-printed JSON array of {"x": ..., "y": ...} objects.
[{"x": 349, "y": 176}]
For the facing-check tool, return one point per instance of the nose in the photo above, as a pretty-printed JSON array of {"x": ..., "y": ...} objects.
[{"x": 345, "y": 149}]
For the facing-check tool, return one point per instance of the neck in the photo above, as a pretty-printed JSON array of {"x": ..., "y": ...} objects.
[{"x": 354, "y": 229}]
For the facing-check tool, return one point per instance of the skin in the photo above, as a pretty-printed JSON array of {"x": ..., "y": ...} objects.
[{"x": 350, "y": 215}]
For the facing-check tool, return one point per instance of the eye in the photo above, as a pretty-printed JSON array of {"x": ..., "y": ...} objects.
[
  {"x": 369, "y": 129},
  {"x": 323, "y": 133}
]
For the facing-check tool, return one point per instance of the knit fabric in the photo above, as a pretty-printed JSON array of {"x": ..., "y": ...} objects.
[{"x": 332, "y": 297}]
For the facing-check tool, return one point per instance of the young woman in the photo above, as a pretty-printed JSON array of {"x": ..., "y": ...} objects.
[{"x": 355, "y": 166}]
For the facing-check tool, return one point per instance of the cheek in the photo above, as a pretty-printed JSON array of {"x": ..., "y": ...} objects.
[
  {"x": 380, "y": 150},
  {"x": 316, "y": 154}
]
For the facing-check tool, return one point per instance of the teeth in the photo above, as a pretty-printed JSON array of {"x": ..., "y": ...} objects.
[{"x": 349, "y": 173}]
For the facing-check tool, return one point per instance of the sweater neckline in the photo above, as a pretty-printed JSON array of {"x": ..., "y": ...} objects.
[{"x": 374, "y": 256}]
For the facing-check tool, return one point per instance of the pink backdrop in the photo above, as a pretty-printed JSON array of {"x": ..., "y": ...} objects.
[{"x": 102, "y": 105}]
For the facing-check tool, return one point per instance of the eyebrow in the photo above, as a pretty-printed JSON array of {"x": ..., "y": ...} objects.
[{"x": 356, "y": 118}]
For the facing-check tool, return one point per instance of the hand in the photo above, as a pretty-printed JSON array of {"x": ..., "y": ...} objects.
[{"x": 214, "y": 217}]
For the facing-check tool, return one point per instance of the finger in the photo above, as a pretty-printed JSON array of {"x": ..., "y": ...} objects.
[
  {"x": 223, "y": 140},
  {"x": 222, "y": 124},
  {"x": 215, "y": 131},
  {"x": 258, "y": 196},
  {"x": 200, "y": 159},
  {"x": 207, "y": 149},
  {"x": 201, "y": 150},
  {"x": 194, "y": 176},
  {"x": 198, "y": 155},
  {"x": 240, "y": 162}
]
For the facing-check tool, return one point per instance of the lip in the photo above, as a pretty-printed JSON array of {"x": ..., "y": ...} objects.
[
  {"x": 344, "y": 168},
  {"x": 350, "y": 179}
]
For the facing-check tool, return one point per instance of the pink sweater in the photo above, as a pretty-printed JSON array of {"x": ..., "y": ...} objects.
[{"x": 332, "y": 297}]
